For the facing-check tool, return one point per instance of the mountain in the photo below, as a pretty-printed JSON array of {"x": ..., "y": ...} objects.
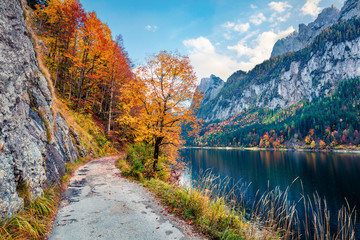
[
  {"x": 281, "y": 81},
  {"x": 306, "y": 34},
  {"x": 301, "y": 98},
  {"x": 210, "y": 87},
  {"x": 350, "y": 10},
  {"x": 35, "y": 141}
]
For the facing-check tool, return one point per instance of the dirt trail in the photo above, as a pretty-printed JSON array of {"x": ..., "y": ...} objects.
[{"x": 100, "y": 204}]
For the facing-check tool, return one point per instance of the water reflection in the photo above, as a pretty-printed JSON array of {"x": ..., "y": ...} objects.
[{"x": 334, "y": 176}]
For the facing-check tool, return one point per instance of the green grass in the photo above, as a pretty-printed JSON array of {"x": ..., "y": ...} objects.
[
  {"x": 91, "y": 136},
  {"x": 218, "y": 211},
  {"x": 204, "y": 206},
  {"x": 34, "y": 221},
  {"x": 212, "y": 216}
]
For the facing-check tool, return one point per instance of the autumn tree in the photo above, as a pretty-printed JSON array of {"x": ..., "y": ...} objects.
[
  {"x": 166, "y": 87},
  {"x": 87, "y": 66}
]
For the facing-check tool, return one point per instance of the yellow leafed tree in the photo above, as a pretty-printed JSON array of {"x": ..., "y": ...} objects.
[{"x": 164, "y": 88}]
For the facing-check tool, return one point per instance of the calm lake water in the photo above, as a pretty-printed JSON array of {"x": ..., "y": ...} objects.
[{"x": 334, "y": 176}]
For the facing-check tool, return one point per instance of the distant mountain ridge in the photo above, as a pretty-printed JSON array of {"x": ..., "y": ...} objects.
[
  {"x": 312, "y": 72},
  {"x": 306, "y": 34}
]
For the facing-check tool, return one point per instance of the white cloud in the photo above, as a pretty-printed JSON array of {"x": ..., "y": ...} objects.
[
  {"x": 151, "y": 28},
  {"x": 279, "y": 6},
  {"x": 262, "y": 50},
  {"x": 311, "y": 7},
  {"x": 284, "y": 18},
  {"x": 228, "y": 25},
  {"x": 242, "y": 27},
  {"x": 258, "y": 19},
  {"x": 252, "y": 6},
  {"x": 276, "y": 18},
  {"x": 206, "y": 60},
  {"x": 239, "y": 27}
]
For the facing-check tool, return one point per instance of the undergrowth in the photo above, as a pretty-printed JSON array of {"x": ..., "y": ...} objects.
[
  {"x": 91, "y": 136},
  {"x": 224, "y": 212},
  {"x": 138, "y": 163},
  {"x": 212, "y": 216},
  {"x": 34, "y": 221}
]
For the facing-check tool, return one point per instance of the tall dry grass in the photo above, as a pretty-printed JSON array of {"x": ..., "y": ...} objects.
[
  {"x": 273, "y": 215},
  {"x": 34, "y": 221}
]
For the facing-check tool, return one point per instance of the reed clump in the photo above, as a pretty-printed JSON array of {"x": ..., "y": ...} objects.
[{"x": 221, "y": 210}]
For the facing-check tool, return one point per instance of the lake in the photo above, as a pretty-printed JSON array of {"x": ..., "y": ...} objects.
[{"x": 334, "y": 176}]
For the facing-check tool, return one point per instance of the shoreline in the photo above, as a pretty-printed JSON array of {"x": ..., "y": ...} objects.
[{"x": 278, "y": 149}]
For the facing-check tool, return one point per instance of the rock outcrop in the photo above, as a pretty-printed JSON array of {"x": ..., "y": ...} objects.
[
  {"x": 35, "y": 143},
  {"x": 306, "y": 34},
  {"x": 210, "y": 87}
]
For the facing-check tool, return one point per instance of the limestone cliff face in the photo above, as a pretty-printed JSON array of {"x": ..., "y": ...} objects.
[
  {"x": 35, "y": 144},
  {"x": 312, "y": 72},
  {"x": 210, "y": 87},
  {"x": 323, "y": 59},
  {"x": 350, "y": 10},
  {"x": 306, "y": 34}
]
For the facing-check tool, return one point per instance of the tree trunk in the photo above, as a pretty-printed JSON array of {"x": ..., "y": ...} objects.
[
  {"x": 81, "y": 78},
  {"x": 57, "y": 67},
  {"x": 110, "y": 107},
  {"x": 158, "y": 141},
  {"x": 70, "y": 82}
]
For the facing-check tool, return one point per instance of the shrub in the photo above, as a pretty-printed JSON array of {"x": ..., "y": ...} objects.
[{"x": 139, "y": 162}]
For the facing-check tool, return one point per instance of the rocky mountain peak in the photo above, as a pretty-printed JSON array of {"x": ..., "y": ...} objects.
[
  {"x": 306, "y": 34},
  {"x": 211, "y": 86},
  {"x": 327, "y": 17}
]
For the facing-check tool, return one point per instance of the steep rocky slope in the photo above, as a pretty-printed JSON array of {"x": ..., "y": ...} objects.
[
  {"x": 210, "y": 87},
  {"x": 350, "y": 10},
  {"x": 35, "y": 142},
  {"x": 306, "y": 34},
  {"x": 282, "y": 81}
]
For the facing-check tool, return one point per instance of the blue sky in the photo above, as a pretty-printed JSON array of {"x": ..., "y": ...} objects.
[{"x": 219, "y": 36}]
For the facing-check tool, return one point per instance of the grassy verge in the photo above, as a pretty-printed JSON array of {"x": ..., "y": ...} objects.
[
  {"x": 211, "y": 216},
  {"x": 219, "y": 211},
  {"x": 204, "y": 207},
  {"x": 35, "y": 220}
]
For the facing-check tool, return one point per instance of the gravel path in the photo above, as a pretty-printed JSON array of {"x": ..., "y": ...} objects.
[{"x": 100, "y": 204}]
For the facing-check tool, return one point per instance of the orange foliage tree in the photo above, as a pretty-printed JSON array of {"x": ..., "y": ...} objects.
[
  {"x": 165, "y": 88},
  {"x": 87, "y": 65}
]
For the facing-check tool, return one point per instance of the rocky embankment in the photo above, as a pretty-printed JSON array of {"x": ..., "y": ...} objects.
[{"x": 35, "y": 142}]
